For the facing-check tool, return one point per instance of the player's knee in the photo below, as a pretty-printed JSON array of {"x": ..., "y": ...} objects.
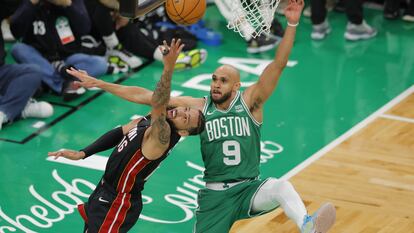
[
  {"x": 279, "y": 186},
  {"x": 283, "y": 184}
]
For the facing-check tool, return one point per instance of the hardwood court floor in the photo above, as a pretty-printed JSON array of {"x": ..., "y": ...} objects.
[{"x": 369, "y": 178}]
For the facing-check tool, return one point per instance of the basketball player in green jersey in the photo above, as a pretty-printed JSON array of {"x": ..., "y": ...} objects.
[{"x": 230, "y": 145}]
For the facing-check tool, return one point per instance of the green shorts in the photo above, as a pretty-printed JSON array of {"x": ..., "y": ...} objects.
[{"x": 218, "y": 210}]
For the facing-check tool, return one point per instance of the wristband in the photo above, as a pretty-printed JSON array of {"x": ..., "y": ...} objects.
[{"x": 292, "y": 25}]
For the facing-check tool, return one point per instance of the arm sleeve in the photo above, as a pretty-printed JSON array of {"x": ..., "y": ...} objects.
[
  {"x": 22, "y": 19},
  {"x": 105, "y": 142},
  {"x": 78, "y": 17}
]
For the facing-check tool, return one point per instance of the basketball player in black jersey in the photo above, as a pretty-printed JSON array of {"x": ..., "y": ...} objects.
[{"x": 116, "y": 203}]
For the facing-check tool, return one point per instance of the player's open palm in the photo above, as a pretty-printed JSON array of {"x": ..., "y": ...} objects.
[
  {"x": 69, "y": 154},
  {"x": 293, "y": 11},
  {"x": 85, "y": 80}
]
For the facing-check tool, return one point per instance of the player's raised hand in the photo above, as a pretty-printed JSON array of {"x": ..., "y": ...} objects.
[
  {"x": 171, "y": 52},
  {"x": 69, "y": 154},
  {"x": 293, "y": 11},
  {"x": 85, "y": 79}
]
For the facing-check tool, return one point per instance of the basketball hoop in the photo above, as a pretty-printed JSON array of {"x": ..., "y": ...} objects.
[
  {"x": 136, "y": 8},
  {"x": 250, "y": 18},
  {"x": 257, "y": 15}
]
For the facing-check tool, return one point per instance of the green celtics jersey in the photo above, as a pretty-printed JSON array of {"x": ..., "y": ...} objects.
[{"x": 230, "y": 143}]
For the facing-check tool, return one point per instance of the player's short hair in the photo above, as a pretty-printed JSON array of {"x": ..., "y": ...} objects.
[{"x": 200, "y": 125}]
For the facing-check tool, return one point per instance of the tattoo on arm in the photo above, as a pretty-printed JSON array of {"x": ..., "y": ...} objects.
[
  {"x": 161, "y": 95},
  {"x": 162, "y": 129},
  {"x": 160, "y": 98}
]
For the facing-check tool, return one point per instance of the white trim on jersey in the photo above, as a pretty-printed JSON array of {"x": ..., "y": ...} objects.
[
  {"x": 231, "y": 104},
  {"x": 206, "y": 103},
  {"x": 129, "y": 173},
  {"x": 117, "y": 212}
]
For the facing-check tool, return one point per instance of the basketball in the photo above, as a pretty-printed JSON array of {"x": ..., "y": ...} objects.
[{"x": 185, "y": 12}]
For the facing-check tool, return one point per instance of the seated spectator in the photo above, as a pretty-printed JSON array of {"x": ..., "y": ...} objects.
[
  {"x": 18, "y": 83},
  {"x": 50, "y": 33},
  {"x": 122, "y": 37},
  {"x": 105, "y": 23}
]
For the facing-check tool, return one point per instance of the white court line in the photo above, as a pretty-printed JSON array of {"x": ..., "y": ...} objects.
[
  {"x": 392, "y": 184},
  {"x": 398, "y": 118},
  {"x": 39, "y": 124},
  {"x": 97, "y": 162},
  {"x": 348, "y": 134}
]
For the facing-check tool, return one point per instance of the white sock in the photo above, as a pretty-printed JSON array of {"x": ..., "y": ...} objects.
[
  {"x": 157, "y": 54},
  {"x": 275, "y": 192},
  {"x": 111, "y": 41}
]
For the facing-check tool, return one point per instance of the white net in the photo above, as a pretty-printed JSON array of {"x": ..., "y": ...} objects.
[{"x": 251, "y": 18}]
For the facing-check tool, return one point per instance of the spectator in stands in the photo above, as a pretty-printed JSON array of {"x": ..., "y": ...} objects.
[
  {"x": 51, "y": 32},
  {"x": 18, "y": 83},
  {"x": 356, "y": 29},
  {"x": 105, "y": 23},
  {"x": 6, "y": 10},
  {"x": 122, "y": 37}
]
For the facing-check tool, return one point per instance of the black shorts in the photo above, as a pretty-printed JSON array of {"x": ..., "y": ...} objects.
[{"x": 107, "y": 211}]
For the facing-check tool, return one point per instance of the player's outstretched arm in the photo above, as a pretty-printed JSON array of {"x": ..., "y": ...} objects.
[
  {"x": 133, "y": 94},
  {"x": 157, "y": 137},
  {"x": 107, "y": 141},
  {"x": 258, "y": 93},
  {"x": 69, "y": 154}
]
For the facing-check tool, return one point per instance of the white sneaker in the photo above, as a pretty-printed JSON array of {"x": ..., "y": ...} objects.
[
  {"x": 361, "y": 31},
  {"x": 262, "y": 43},
  {"x": 5, "y": 29},
  {"x": 3, "y": 118},
  {"x": 320, "y": 31},
  {"x": 190, "y": 59},
  {"x": 408, "y": 17},
  {"x": 321, "y": 221},
  {"x": 124, "y": 55},
  {"x": 116, "y": 65},
  {"x": 36, "y": 109}
]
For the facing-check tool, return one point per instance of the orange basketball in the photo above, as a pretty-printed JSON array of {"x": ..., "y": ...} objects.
[{"x": 185, "y": 12}]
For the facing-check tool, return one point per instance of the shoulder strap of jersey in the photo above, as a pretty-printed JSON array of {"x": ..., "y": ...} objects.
[
  {"x": 145, "y": 121},
  {"x": 206, "y": 103}
]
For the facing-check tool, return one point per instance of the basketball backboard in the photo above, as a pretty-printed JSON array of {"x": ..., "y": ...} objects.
[{"x": 136, "y": 8}]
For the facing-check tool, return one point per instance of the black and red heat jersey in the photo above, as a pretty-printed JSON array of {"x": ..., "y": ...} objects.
[{"x": 128, "y": 168}]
